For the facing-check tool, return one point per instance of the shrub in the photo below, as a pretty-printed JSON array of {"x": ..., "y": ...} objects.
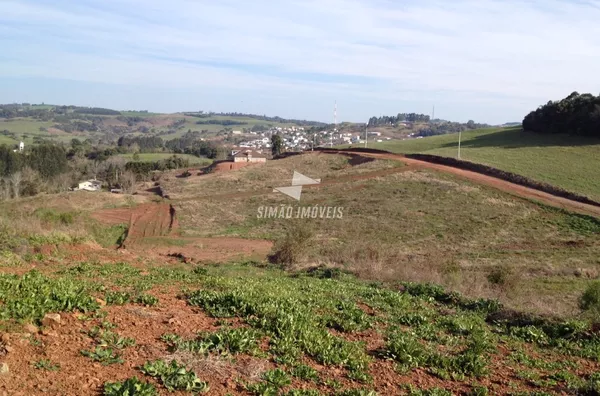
[
  {"x": 501, "y": 276},
  {"x": 291, "y": 249},
  {"x": 590, "y": 299}
]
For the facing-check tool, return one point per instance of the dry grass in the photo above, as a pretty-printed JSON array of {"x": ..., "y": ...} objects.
[{"x": 415, "y": 225}]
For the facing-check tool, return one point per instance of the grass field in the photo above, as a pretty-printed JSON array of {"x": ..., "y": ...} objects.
[
  {"x": 565, "y": 161},
  {"x": 411, "y": 225},
  {"x": 151, "y": 157}
]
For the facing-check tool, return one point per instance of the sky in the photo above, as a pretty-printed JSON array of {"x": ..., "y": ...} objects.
[{"x": 486, "y": 60}]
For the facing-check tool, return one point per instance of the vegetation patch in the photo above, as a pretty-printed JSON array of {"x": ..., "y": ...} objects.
[
  {"x": 175, "y": 376},
  {"x": 32, "y": 295},
  {"x": 129, "y": 387}
]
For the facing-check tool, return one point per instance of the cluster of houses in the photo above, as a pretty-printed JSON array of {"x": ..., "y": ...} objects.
[{"x": 294, "y": 138}]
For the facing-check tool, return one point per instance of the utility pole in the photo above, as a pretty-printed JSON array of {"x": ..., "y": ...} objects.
[
  {"x": 313, "y": 145},
  {"x": 366, "y": 134},
  {"x": 334, "y": 123}
]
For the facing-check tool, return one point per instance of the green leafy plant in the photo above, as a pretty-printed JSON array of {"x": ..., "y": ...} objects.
[
  {"x": 347, "y": 317},
  {"x": 32, "y": 295},
  {"x": 117, "y": 298},
  {"x": 305, "y": 373},
  {"x": 175, "y": 376},
  {"x": 130, "y": 387},
  {"x": 45, "y": 364},
  {"x": 105, "y": 356},
  {"x": 146, "y": 299}
]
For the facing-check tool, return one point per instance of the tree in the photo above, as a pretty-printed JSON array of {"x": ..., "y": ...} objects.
[
  {"x": 577, "y": 114},
  {"x": 16, "y": 179},
  {"x": 128, "y": 180},
  {"x": 276, "y": 145},
  {"x": 5, "y": 187}
]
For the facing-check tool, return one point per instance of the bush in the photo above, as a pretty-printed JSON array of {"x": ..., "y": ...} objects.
[
  {"x": 590, "y": 300},
  {"x": 291, "y": 249}
]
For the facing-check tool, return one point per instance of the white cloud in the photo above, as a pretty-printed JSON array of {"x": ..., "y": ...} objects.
[{"x": 501, "y": 57}]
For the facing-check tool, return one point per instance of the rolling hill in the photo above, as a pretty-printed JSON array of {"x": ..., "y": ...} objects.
[
  {"x": 565, "y": 161},
  {"x": 32, "y": 123}
]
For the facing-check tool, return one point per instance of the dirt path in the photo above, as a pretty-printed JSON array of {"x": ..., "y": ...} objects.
[
  {"x": 502, "y": 185},
  {"x": 148, "y": 220}
]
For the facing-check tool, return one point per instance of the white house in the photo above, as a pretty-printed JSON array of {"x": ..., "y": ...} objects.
[
  {"x": 90, "y": 185},
  {"x": 249, "y": 156}
]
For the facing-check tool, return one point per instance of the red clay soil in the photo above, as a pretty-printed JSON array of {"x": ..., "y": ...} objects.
[
  {"x": 78, "y": 375},
  {"x": 502, "y": 185},
  {"x": 156, "y": 222},
  {"x": 212, "y": 249},
  {"x": 148, "y": 220}
]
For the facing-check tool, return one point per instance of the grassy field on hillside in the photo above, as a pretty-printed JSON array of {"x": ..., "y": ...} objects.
[
  {"x": 566, "y": 161},
  {"x": 151, "y": 157},
  {"x": 359, "y": 312},
  {"x": 28, "y": 128},
  {"x": 412, "y": 225}
]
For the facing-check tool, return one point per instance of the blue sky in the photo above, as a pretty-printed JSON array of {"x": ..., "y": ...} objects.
[{"x": 491, "y": 61}]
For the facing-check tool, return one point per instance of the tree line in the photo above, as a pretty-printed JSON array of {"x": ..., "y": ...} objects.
[
  {"x": 191, "y": 143},
  {"x": 443, "y": 128},
  {"x": 202, "y": 114},
  {"x": 143, "y": 143},
  {"x": 577, "y": 114},
  {"x": 395, "y": 120},
  {"x": 220, "y": 122}
]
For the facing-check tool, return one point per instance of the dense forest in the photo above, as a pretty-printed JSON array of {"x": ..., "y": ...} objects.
[
  {"x": 576, "y": 114},
  {"x": 394, "y": 120}
]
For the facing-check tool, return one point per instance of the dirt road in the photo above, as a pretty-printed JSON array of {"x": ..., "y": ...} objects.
[{"x": 502, "y": 185}]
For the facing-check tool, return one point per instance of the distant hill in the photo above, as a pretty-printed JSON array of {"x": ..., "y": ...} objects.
[{"x": 36, "y": 123}]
